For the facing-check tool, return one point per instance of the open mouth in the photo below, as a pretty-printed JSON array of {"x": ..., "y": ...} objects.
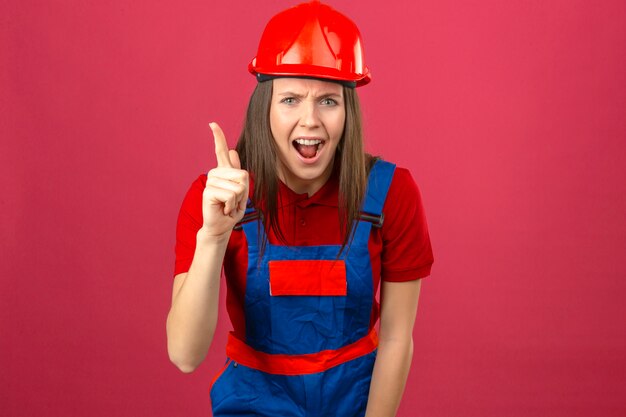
[{"x": 308, "y": 148}]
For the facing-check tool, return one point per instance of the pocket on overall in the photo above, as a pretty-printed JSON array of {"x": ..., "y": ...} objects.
[
  {"x": 231, "y": 391},
  {"x": 219, "y": 374},
  {"x": 307, "y": 305}
]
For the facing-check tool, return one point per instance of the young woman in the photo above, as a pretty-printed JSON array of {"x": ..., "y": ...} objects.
[{"x": 306, "y": 226}]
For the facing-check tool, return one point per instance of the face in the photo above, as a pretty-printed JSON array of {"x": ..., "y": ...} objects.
[{"x": 307, "y": 118}]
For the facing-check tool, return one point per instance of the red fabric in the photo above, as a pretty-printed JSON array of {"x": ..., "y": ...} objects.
[
  {"x": 310, "y": 363},
  {"x": 399, "y": 251},
  {"x": 315, "y": 277}
]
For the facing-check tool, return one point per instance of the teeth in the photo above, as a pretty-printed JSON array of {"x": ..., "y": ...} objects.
[{"x": 308, "y": 142}]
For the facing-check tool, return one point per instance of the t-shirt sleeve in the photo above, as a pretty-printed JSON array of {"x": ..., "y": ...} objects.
[
  {"x": 407, "y": 253},
  {"x": 188, "y": 224}
]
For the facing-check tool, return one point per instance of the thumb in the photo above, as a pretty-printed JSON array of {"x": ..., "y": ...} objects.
[{"x": 234, "y": 159}]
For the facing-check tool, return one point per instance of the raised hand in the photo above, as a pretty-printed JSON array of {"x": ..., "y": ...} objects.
[{"x": 226, "y": 192}]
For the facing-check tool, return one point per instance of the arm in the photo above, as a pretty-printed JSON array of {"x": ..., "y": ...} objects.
[
  {"x": 395, "y": 349},
  {"x": 195, "y": 297}
]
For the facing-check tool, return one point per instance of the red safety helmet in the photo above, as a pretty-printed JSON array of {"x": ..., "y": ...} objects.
[{"x": 311, "y": 40}]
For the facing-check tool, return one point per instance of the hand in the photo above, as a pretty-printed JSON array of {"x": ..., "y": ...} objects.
[{"x": 226, "y": 193}]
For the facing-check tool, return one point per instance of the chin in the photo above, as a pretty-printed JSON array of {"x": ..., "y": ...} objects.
[{"x": 305, "y": 174}]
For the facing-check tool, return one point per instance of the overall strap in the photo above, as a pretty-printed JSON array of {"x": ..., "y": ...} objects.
[
  {"x": 250, "y": 224},
  {"x": 378, "y": 184}
]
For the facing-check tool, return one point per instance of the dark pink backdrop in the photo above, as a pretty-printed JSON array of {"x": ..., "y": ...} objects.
[{"x": 510, "y": 114}]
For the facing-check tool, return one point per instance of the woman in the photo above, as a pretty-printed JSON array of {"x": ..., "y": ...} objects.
[{"x": 306, "y": 226}]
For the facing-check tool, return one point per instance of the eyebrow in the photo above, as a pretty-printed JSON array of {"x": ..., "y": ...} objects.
[{"x": 294, "y": 94}]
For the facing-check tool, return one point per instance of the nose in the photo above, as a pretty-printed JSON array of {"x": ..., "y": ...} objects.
[{"x": 309, "y": 116}]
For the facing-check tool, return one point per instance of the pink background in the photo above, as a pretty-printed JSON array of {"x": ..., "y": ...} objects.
[{"x": 510, "y": 114}]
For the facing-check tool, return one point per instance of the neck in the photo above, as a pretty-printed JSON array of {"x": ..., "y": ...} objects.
[{"x": 304, "y": 185}]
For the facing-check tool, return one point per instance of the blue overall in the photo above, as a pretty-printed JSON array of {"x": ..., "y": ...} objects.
[{"x": 306, "y": 324}]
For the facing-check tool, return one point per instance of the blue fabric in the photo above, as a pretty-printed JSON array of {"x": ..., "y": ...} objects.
[
  {"x": 341, "y": 391},
  {"x": 377, "y": 186},
  {"x": 306, "y": 324}
]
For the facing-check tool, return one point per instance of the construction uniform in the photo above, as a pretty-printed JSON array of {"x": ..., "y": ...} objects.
[{"x": 304, "y": 343}]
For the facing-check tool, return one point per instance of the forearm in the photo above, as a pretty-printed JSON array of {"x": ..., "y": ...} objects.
[
  {"x": 391, "y": 369},
  {"x": 193, "y": 316}
]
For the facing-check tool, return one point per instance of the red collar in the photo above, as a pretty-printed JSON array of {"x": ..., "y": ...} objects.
[{"x": 328, "y": 195}]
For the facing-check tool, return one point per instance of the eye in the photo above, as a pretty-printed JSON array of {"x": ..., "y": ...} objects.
[
  {"x": 288, "y": 100},
  {"x": 329, "y": 102}
]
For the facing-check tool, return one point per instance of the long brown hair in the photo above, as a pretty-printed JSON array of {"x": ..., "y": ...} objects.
[{"x": 257, "y": 151}]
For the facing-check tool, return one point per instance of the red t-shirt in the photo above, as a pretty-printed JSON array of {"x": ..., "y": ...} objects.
[{"x": 400, "y": 250}]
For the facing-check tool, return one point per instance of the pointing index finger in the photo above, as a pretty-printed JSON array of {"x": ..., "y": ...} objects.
[{"x": 221, "y": 147}]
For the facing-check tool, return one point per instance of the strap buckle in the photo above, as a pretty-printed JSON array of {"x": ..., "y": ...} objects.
[
  {"x": 250, "y": 217},
  {"x": 377, "y": 221}
]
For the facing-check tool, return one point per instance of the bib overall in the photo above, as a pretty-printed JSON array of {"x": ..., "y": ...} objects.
[{"x": 309, "y": 350}]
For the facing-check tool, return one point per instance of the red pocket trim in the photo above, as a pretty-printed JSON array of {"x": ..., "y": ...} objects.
[
  {"x": 219, "y": 374},
  {"x": 308, "y": 277}
]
